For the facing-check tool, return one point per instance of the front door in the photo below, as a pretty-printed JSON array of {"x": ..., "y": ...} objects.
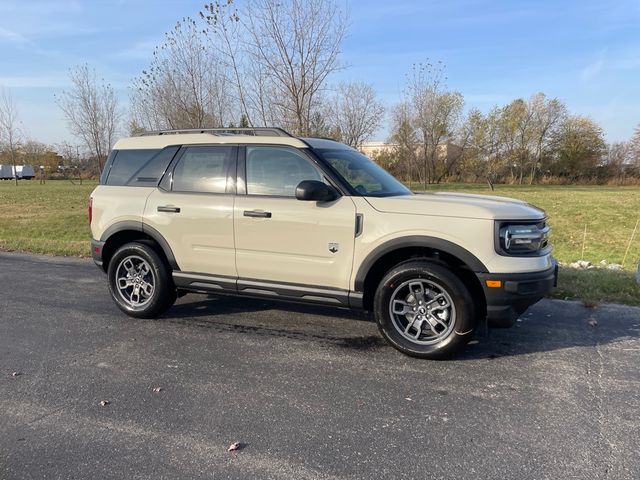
[
  {"x": 281, "y": 239},
  {"x": 193, "y": 210}
]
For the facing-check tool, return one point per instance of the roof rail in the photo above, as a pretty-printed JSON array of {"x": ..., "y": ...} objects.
[{"x": 257, "y": 131}]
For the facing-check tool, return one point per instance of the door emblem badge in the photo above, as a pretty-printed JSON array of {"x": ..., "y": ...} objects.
[{"x": 334, "y": 247}]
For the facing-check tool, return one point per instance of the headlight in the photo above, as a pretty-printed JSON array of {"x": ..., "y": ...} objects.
[{"x": 523, "y": 239}]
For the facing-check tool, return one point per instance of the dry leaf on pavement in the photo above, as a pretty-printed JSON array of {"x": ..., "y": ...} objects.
[{"x": 234, "y": 447}]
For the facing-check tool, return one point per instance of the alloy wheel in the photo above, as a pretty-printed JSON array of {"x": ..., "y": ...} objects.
[
  {"x": 135, "y": 281},
  {"x": 422, "y": 311}
]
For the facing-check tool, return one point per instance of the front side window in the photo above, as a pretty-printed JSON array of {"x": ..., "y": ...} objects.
[
  {"x": 277, "y": 171},
  {"x": 203, "y": 170}
]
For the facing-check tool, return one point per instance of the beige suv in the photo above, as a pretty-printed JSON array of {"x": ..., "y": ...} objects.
[{"x": 260, "y": 213}]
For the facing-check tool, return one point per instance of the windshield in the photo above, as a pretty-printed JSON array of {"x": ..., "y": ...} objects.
[{"x": 365, "y": 176}]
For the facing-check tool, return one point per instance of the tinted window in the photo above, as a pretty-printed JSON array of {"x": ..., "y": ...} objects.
[
  {"x": 149, "y": 174},
  {"x": 107, "y": 167},
  {"x": 277, "y": 171},
  {"x": 203, "y": 170},
  {"x": 126, "y": 163},
  {"x": 366, "y": 177}
]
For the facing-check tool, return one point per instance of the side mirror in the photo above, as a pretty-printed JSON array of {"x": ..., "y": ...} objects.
[{"x": 315, "y": 191}]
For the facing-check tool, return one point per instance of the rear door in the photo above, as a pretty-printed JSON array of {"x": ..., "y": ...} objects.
[{"x": 193, "y": 209}]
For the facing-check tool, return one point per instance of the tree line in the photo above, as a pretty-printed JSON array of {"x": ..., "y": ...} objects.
[
  {"x": 271, "y": 63},
  {"x": 525, "y": 141}
]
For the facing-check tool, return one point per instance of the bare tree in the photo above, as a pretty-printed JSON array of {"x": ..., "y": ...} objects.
[
  {"x": 184, "y": 86},
  {"x": 34, "y": 153},
  {"x": 436, "y": 116},
  {"x": 91, "y": 110},
  {"x": 483, "y": 153},
  {"x": 517, "y": 132},
  {"x": 405, "y": 142},
  {"x": 296, "y": 45},
  {"x": 618, "y": 158},
  {"x": 252, "y": 92},
  {"x": 635, "y": 147},
  {"x": 321, "y": 122},
  {"x": 226, "y": 39},
  {"x": 356, "y": 112},
  {"x": 10, "y": 132},
  {"x": 547, "y": 115},
  {"x": 265, "y": 64},
  {"x": 73, "y": 161}
]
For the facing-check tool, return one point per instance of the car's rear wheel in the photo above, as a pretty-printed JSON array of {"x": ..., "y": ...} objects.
[
  {"x": 140, "y": 281},
  {"x": 424, "y": 310}
]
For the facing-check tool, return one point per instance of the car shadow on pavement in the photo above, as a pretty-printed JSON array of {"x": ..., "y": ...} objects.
[
  {"x": 354, "y": 330},
  {"x": 549, "y": 326},
  {"x": 558, "y": 325},
  {"x": 214, "y": 305}
]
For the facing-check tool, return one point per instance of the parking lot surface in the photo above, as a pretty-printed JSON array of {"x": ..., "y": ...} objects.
[{"x": 309, "y": 392}]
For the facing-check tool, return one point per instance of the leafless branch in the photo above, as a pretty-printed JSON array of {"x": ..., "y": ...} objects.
[{"x": 92, "y": 112}]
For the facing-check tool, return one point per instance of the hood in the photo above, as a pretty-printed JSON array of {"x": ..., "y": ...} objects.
[{"x": 458, "y": 205}]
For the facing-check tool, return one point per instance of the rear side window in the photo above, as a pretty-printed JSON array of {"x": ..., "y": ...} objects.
[
  {"x": 107, "y": 167},
  {"x": 203, "y": 169},
  {"x": 150, "y": 173},
  {"x": 126, "y": 163}
]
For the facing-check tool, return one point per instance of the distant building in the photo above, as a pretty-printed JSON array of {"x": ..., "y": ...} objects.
[{"x": 373, "y": 148}]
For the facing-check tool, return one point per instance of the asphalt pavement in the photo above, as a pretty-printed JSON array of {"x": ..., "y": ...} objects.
[{"x": 311, "y": 393}]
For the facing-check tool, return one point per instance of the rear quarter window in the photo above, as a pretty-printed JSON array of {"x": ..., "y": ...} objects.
[
  {"x": 107, "y": 167},
  {"x": 149, "y": 174},
  {"x": 141, "y": 168}
]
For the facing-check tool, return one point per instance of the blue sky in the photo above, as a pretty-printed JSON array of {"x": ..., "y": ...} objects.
[{"x": 587, "y": 53}]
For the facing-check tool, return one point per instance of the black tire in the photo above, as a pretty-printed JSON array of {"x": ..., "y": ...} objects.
[
  {"x": 435, "y": 335},
  {"x": 126, "y": 271}
]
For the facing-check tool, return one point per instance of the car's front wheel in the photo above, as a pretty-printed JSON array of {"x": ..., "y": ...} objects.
[
  {"x": 424, "y": 310},
  {"x": 140, "y": 281}
]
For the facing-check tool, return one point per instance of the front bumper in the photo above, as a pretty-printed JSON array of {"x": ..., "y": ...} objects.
[
  {"x": 517, "y": 292},
  {"x": 96, "y": 252}
]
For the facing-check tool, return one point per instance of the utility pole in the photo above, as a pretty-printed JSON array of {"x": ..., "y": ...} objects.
[
  {"x": 78, "y": 163},
  {"x": 13, "y": 161}
]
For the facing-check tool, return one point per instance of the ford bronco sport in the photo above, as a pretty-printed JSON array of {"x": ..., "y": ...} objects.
[{"x": 261, "y": 213}]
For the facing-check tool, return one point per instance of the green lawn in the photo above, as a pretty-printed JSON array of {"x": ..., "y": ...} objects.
[
  {"x": 52, "y": 219},
  {"x": 49, "y": 218},
  {"x": 598, "y": 285}
]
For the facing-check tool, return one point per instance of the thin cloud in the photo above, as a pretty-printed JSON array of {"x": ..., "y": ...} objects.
[
  {"x": 10, "y": 36},
  {"x": 591, "y": 71}
]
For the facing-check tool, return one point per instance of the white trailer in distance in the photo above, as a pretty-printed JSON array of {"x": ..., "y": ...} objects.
[{"x": 25, "y": 172}]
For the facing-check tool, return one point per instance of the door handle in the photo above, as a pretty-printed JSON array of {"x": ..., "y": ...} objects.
[
  {"x": 257, "y": 214},
  {"x": 169, "y": 209}
]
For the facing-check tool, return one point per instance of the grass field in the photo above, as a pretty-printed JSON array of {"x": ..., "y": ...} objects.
[
  {"x": 49, "y": 218},
  {"x": 52, "y": 219}
]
